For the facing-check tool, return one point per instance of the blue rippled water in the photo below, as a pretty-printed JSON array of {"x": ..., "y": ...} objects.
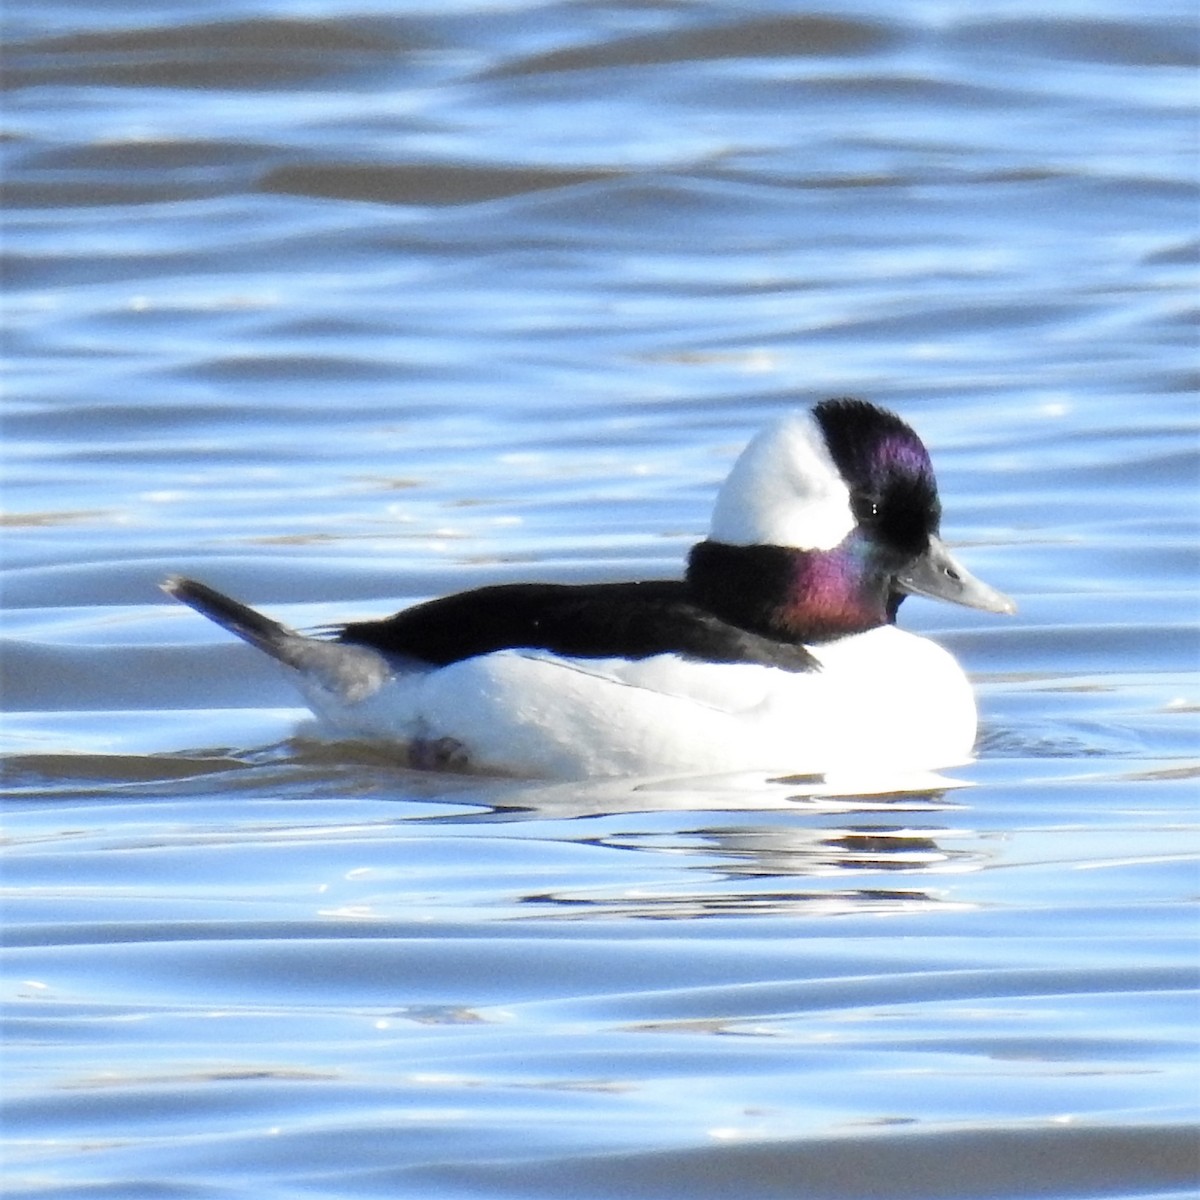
[{"x": 340, "y": 308}]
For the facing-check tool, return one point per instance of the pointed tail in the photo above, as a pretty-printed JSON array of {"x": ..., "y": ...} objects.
[
  {"x": 249, "y": 624},
  {"x": 349, "y": 672}
]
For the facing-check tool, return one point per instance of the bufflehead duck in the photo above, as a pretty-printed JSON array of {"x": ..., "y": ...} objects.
[{"x": 778, "y": 650}]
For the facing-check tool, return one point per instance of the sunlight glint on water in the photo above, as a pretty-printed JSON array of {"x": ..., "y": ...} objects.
[{"x": 341, "y": 310}]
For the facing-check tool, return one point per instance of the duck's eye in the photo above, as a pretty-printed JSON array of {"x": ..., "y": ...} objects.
[{"x": 864, "y": 508}]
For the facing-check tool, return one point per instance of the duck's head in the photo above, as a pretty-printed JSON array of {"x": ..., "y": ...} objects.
[{"x": 826, "y": 522}]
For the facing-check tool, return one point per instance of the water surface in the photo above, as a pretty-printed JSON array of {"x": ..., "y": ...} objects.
[{"x": 340, "y": 308}]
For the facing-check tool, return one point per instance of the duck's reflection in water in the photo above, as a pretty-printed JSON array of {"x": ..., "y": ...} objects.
[{"x": 828, "y": 854}]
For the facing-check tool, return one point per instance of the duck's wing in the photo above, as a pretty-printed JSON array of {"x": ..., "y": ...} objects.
[{"x": 584, "y": 621}]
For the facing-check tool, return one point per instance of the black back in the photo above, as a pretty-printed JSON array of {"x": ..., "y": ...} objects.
[{"x": 629, "y": 620}]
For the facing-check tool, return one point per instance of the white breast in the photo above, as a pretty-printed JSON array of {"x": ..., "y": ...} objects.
[{"x": 885, "y": 699}]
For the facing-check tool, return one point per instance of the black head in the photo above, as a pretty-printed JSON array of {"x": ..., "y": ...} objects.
[
  {"x": 893, "y": 493},
  {"x": 875, "y": 499}
]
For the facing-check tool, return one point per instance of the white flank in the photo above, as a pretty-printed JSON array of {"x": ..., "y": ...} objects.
[{"x": 885, "y": 700}]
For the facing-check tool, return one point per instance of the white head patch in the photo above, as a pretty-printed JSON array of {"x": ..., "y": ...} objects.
[{"x": 784, "y": 490}]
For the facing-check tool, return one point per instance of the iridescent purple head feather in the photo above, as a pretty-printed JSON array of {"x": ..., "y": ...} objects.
[{"x": 886, "y": 466}]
